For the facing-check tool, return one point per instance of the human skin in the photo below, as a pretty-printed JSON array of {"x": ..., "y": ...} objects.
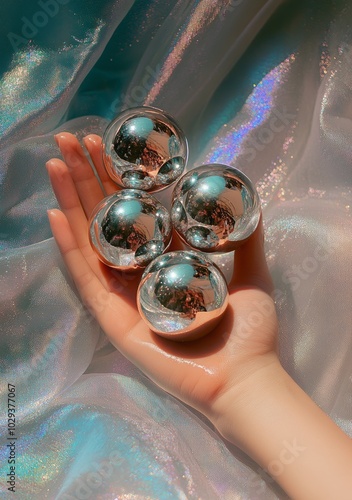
[{"x": 233, "y": 375}]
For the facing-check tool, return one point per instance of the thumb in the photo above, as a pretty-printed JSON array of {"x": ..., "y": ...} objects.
[{"x": 250, "y": 268}]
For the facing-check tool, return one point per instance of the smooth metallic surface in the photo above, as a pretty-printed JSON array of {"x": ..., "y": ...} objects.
[
  {"x": 144, "y": 148},
  {"x": 129, "y": 229},
  {"x": 182, "y": 295},
  {"x": 215, "y": 208}
]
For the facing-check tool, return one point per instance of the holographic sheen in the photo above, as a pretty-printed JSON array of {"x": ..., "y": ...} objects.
[
  {"x": 144, "y": 148},
  {"x": 182, "y": 295},
  {"x": 238, "y": 138},
  {"x": 129, "y": 229},
  {"x": 215, "y": 208}
]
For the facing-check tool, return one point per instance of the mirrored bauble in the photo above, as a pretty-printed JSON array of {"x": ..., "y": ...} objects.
[
  {"x": 144, "y": 148},
  {"x": 182, "y": 295},
  {"x": 129, "y": 229},
  {"x": 215, "y": 208}
]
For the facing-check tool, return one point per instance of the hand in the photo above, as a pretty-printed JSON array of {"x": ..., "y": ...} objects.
[
  {"x": 200, "y": 372},
  {"x": 232, "y": 375}
]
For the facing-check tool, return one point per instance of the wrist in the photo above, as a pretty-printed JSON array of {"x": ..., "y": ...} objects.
[
  {"x": 259, "y": 379},
  {"x": 271, "y": 419}
]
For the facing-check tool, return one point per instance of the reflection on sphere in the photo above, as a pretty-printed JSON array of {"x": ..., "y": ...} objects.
[
  {"x": 129, "y": 229},
  {"x": 182, "y": 295},
  {"x": 215, "y": 208},
  {"x": 144, "y": 148}
]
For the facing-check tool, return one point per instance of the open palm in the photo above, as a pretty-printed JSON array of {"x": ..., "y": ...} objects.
[{"x": 196, "y": 372}]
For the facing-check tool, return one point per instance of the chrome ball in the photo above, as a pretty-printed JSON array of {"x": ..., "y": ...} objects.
[
  {"x": 215, "y": 208},
  {"x": 144, "y": 148},
  {"x": 182, "y": 295},
  {"x": 129, "y": 229}
]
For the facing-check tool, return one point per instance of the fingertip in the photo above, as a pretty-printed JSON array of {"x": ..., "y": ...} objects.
[
  {"x": 59, "y": 224},
  {"x": 56, "y": 169},
  {"x": 92, "y": 143},
  {"x": 70, "y": 147},
  {"x": 52, "y": 163},
  {"x": 59, "y": 138},
  {"x": 61, "y": 231},
  {"x": 53, "y": 213},
  {"x": 92, "y": 139},
  {"x": 63, "y": 136},
  {"x": 54, "y": 216},
  {"x": 49, "y": 164}
]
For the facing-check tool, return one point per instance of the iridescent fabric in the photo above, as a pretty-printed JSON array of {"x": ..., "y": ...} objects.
[{"x": 261, "y": 85}]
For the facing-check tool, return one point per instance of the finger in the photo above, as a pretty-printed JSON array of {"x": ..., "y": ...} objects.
[
  {"x": 250, "y": 268},
  {"x": 83, "y": 176},
  {"x": 85, "y": 279},
  {"x": 93, "y": 143},
  {"x": 66, "y": 194},
  {"x": 105, "y": 306}
]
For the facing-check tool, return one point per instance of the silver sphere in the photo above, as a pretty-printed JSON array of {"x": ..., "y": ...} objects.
[
  {"x": 144, "y": 148},
  {"x": 128, "y": 229},
  {"x": 182, "y": 295},
  {"x": 215, "y": 208}
]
